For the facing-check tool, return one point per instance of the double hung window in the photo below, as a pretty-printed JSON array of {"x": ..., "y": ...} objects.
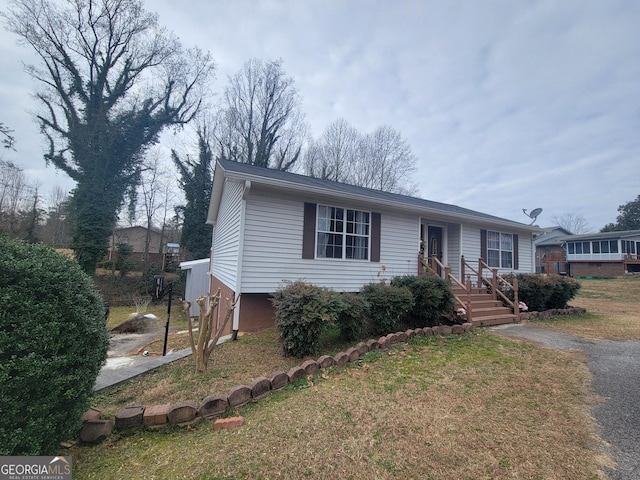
[
  {"x": 342, "y": 233},
  {"x": 499, "y": 249}
]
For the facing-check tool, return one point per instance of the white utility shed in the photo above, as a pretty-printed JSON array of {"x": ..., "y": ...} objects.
[{"x": 197, "y": 282}]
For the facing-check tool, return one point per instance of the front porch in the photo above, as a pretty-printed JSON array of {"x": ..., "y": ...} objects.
[{"x": 480, "y": 292}]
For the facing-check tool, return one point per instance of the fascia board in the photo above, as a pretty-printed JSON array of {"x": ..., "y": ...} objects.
[{"x": 443, "y": 215}]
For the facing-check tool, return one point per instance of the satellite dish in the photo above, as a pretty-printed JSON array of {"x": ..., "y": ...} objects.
[{"x": 533, "y": 215}]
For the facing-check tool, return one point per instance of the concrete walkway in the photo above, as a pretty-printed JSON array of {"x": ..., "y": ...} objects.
[
  {"x": 615, "y": 366},
  {"x": 120, "y": 369}
]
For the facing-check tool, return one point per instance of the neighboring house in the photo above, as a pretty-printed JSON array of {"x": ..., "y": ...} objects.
[
  {"x": 606, "y": 254},
  {"x": 270, "y": 227},
  {"x": 551, "y": 257},
  {"x": 137, "y": 237}
]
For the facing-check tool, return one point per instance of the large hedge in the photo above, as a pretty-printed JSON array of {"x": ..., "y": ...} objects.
[
  {"x": 53, "y": 342},
  {"x": 386, "y": 305},
  {"x": 432, "y": 297},
  {"x": 303, "y": 310},
  {"x": 544, "y": 292}
]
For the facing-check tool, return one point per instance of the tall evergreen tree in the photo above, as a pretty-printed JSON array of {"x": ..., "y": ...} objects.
[
  {"x": 628, "y": 218},
  {"x": 196, "y": 180}
]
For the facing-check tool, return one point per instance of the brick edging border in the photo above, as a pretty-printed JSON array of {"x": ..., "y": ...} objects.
[{"x": 95, "y": 429}]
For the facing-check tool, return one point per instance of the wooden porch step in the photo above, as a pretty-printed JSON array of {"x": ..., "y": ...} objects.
[
  {"x": 474, "y": 291},
  {"x": 485, "y": 311},
  {"x": 494, "y": 320}
]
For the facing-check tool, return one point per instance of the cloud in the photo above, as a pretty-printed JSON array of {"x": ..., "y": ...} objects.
[{"x": 507, "y": 105}]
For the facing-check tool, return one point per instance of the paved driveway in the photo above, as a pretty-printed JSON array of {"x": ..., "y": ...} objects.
[{"x": 615, "y": 366}]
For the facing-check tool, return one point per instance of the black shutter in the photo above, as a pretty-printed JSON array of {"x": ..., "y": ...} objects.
[
  {"x": 515, "y": 251},
  {"x": 309, "y": 231},
  {"x": 375, "y": 236},
  {"x": 483, "y": 245}
]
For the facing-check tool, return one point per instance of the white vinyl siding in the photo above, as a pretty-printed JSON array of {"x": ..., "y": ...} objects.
[
  {"x": 453, "y": 248},
  {"x": 226, "y": 235},
  {"x": 471, "y": 248},
  {"x": 273, "y": 247},
  {"x": 525, "y": 252}
]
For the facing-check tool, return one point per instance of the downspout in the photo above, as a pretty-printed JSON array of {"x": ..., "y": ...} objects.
[
  {"x": 533, "y": 254},
  {"x": 460, "y": 254},
  {"x": 210, "y": 272},
  {"x": 243, "y": 211}
]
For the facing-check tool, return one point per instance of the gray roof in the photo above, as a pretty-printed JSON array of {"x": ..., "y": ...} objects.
[
  {"x": 585, "y": 237},
  {"x": 253, "y": 173}
]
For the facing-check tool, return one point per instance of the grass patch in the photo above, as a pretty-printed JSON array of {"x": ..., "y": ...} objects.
[
  {"x": 231, "y": 364},
  {"x": 471, "y": 406},
  {"x": 611, "y": 306},
  {"x": 117, "y": 315}
]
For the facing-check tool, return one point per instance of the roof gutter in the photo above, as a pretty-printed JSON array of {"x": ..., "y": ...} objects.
[{"x": 257, "y": 179}]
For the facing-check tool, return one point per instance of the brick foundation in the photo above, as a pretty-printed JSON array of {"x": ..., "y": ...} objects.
[
  {"x": 256, "y": 311},
  {"x": 597, "y": 269}
]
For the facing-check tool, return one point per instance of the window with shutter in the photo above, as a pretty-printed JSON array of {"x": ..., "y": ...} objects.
[{"x": 340, "y": 233}]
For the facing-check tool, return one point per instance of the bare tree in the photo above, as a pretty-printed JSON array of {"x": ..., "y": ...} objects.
[
  {"x": 14, "y": 196},
  {"x": 56, "y": 229},
  {"x": 260, "y": 120},
  {"x": 386, "y": 162},
  {"x": 8, "y": 140},
  {"x": 112, "y": 79},
  {"x": 381, "y": 160},
  {"x": 335, "y": 155},
  {"x": 154, "y": 192},
  {"x": 572, "y": 222}
]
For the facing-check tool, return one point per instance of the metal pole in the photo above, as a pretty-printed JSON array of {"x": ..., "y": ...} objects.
[{"x": 166, "y": 328}]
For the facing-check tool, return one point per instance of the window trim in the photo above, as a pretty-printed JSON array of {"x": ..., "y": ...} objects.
[
  {"x": 309, "y": 236},
  {"x": 484, "y": 248},
  {"x": 344, "y": 234}
]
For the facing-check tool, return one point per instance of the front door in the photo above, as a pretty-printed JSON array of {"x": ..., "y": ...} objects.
[{"x": 434, "y": 244}]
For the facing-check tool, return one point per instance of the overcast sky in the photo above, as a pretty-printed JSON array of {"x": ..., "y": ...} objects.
[{"x": 506, "y": 104}]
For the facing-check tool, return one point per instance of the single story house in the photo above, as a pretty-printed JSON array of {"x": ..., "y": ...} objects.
[
  {"x": 270, "y": 227},
  {"x": 551, "y": 257},
  {"x": 604, "y": 254},
  {"x": 136, "y": 237}
]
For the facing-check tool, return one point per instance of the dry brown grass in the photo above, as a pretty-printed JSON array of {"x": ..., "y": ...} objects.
[
  {"x": 478, "y": 406},
  {"x": 612, "y": 306},
  {"x": 231, "y": 364}
]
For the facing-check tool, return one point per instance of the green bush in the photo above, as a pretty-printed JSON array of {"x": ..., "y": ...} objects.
[
  {"x": 544, "y": 292},
  {"x": 302, "y": 312},
  {"x": 53, "y": 342},
  {"x": 352, "y": 316},
  {"x": 386, "y": 304},
  {"x": 432, "y": 297}
]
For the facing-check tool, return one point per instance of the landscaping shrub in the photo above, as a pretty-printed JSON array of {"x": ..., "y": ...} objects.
[
  {"x": 432, "y": 297},
  {"x": 302, "y": 311},
  {"x": 386, "y": 304},
  {"x": 53, "y": 342},
  {"x": 544, "y": 292},
  {"x": 352, "y": 316}
]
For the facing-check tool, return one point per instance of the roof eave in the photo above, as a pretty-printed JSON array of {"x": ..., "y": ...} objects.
[{"x": 294, "y": 186}]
